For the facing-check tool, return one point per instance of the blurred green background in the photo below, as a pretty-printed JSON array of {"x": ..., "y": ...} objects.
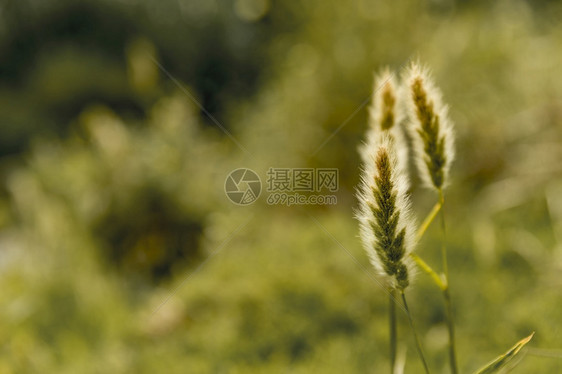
[{"x": 120, "y": 253}]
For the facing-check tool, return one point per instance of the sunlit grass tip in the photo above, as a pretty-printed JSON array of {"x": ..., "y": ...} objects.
[
  {"x": 429, "y": 126},
  {"x": 386, "y": 115},
  {"x": 386, "y": 224},
  {"x": 383, "y": 113}
]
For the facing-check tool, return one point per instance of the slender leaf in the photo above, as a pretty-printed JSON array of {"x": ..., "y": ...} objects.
[{"x": 502, "y": 360}]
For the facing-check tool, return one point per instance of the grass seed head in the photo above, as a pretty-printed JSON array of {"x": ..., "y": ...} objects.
[
  {"x": 385, "y": 116},
  {"x": 386, "y": 225},
  {"x": 430, "y": 127}
]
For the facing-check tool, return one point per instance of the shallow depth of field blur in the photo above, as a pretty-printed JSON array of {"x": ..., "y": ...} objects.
[{"x": 120, "y": 122}]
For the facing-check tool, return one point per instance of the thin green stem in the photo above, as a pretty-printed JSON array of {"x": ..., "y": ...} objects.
[
  {"x": 443, "y": 245},
  {"x": 451, "y": 328},
  {"x": 418, "y": 343},
  {"x": 392, "y": 326},
  {"x": 438, "y": 280},
  {"x": 446, "y": 293},
  {"x": 429, "y": 219},
  {"x": 429, "y": 271}
]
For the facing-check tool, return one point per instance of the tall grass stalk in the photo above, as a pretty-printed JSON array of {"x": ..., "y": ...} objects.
[
  {"x": 386, "y": 226},
  {"x": 414, "y": 331},
  {"x": 392, "y": 329},
  {"x": 446, "y": 293},
  {"x": 387, "y": 229},
  {"x": 385, "y": 221},
  {"x": 441, "y": 281},
  {"x": 432, "y": 133}
]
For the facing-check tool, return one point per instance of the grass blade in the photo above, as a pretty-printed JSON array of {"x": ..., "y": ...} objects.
[{"x": 502, "y": 360}]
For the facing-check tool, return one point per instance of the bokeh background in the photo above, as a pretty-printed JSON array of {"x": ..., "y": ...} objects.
[{"x": 120, "y": 253}]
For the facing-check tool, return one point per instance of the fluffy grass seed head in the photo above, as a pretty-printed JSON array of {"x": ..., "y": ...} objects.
[
  {"x": 430, "y": 127},
  {"x": 382, "y": 113},
  {"x": 386, "y": 116},
  {"x": 386, "y": 225}
]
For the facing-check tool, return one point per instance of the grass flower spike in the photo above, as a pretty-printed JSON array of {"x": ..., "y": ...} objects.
[
  {"x": 383, "y": 114},
  {"x": 430, "y": 126},
  {"x": 384, "y": 214},
  {"x": 386, "y": 226}
]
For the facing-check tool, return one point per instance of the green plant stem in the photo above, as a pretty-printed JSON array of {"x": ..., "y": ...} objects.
[
  {"x": 443, "y": 246},
  {"x": 429, "y": 219},
  {"x": 451, "y": 328},
  {"x": 429, "y": 271},
  {"x": 438, "y": 280},
  {"x": 446, "y": 293},
  {"x": 441, "y": 282},
  {"x": 418, "y": 343},
  {"x": 392, "y": 331}
]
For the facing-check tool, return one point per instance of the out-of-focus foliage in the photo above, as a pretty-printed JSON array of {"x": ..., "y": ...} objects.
[
  {"x": 59, "y": 56},
  {"x": 119, "y": 251}
]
